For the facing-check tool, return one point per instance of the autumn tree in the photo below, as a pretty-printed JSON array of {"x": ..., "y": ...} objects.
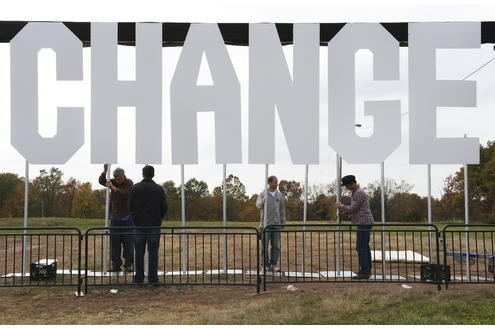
[
  {"x": 406, "y": 207},
  {"x": 66, "y": 197},
  {"x": 85, "y": 203},
  {"x": 292, "y": 192},
  {"x": 8, "y": 183},
  {"x": 315, "y": 190},
  {"x": 235, "y": 188},
  {"x": 236, "y": 198},
  {"x": 195, "y": 191},
  {"x": 322, "y": 208},
  {"x": 13, "y": 204},
  {"x": 208, "y": 209},
  {"x": 172, "y": 193},
  {"x": 250, "y": 213},
  {"x": 48, "y": 187},
  {"x": 321, "y": 201},
  {"x": 452, "y": 200},
  {"x": 10, "y": 201},
  {"x": 481, "y": 181},
  {"x": 391, "y": 188}
]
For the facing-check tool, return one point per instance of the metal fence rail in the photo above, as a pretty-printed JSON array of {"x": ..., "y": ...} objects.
[
  {"x": 48, "y": 256},
  {"x": 469, "y": 251},
  {"x": 309, "y": 253},
  {"x": 326, "y": 253},
  {"x": 187, "y": 256}
]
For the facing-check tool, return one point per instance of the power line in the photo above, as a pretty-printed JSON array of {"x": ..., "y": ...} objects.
[
  {"x": 472, "y": 73},
  {"x": 479, "y": 68},
  {"x": 403, "y": 114}
]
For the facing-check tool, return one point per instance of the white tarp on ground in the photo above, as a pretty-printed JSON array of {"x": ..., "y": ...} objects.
[
  {"x": 379, "y": 277},
  {"x": 402, "y": 256},
  {"x": 303, "y": 274},
  {"x": 337, "y": 274},
  {"x": 222, "y": 271}
]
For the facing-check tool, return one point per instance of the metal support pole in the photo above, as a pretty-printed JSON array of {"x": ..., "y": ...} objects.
[
  {"x": 263, "y": 249},
  {"x": 466, "y": 218},
  {"x": 106, "y": 241},
  {"x": 337, "y": 181},
  {"x": 429, "y": 211},
  {"x": 382, "y": 184},
  {"x": 305, "y": 214},
  {"x": 183, "y": 209},
  {"x": 429, "y": 194},
  {"x": 225, "y": 217},
  {"x": 26, "y": 203},
  {"x": 339, "y": 192},
  {"x": 266, "y": 196},
  {"x": 305, "y": 209}
]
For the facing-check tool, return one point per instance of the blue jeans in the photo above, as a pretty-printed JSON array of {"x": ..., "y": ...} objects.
[
  {"x": 363, "y": 248},
  {"x": 272, "y": 237},
  {"x": 121, "y": 242},
  {"x": 151, "y": 236}
]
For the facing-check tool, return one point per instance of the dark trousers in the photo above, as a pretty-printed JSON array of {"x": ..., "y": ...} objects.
[
  {"x": 143, "y": 236},
  {"x": 272, "y": 253},
  {"x": 363, "y": 248},
  {"x": 121, "y": 242}
]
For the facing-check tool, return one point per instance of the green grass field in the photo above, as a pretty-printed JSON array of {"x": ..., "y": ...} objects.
[
  {"x": 84, "y": 224},
  {"x": 329, "y": 304}
]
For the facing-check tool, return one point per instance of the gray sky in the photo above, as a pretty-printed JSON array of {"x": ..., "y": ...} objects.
[{"x": 455, "y": 65}]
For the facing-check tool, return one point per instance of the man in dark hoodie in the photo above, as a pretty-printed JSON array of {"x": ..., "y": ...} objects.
[
  {"x": 148, "y": 206},
  {"x": 120, "y": 218}
]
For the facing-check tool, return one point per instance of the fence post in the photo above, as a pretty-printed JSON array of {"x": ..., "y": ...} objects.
[
  {"x": 26, "y": 206},
  {"x": 79, "y": 253},
  {"x": 262, "y": 256},
  {"x": 444, "y": 249},
  {"x": 106, "y": 241},
  {"x": 86, "y": 247},
  {"x": 258, "y": 276},
  {"x": 439, "y": 283}
]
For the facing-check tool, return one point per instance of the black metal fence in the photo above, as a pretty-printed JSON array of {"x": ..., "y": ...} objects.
[
  {"x": 326, "y": 253},
  {"x": 309, "y": 253},
  {"x": 187, "y": 256},
  {"x": 469, "y": 251},
  {"x": 40, "y": 257}
]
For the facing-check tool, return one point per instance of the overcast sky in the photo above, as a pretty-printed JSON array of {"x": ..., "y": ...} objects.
[{"x": 455, "y": 65}]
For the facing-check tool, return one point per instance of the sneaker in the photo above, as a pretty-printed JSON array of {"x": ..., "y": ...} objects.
[
  {"x": 276, "y": 269},
  {"x": 129, "y": 268},
  {"x": 269, "y": 267}
]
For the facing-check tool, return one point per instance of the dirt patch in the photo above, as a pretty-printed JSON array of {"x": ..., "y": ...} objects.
[{"x": 187, "y": 304}]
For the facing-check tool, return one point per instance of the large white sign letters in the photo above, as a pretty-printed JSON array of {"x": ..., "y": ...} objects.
[
  {"x": 272, "y": 89},
  {"x": 426, "y": 93},
  {"x": 223, "y": 98},
  {"x": 342, "y": 96},
  {"x": 24, "y": 93}
]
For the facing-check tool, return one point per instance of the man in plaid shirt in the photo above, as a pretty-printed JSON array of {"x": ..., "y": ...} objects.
[{"x": 360, "y": 214}]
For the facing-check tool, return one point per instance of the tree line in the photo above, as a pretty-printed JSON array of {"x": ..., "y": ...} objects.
[{"x": 50, "y": 196}]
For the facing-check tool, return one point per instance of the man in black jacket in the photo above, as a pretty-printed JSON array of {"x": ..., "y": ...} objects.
[
  {"x": 120, "y": 218},
  {"x": 148, "y": 206}
]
